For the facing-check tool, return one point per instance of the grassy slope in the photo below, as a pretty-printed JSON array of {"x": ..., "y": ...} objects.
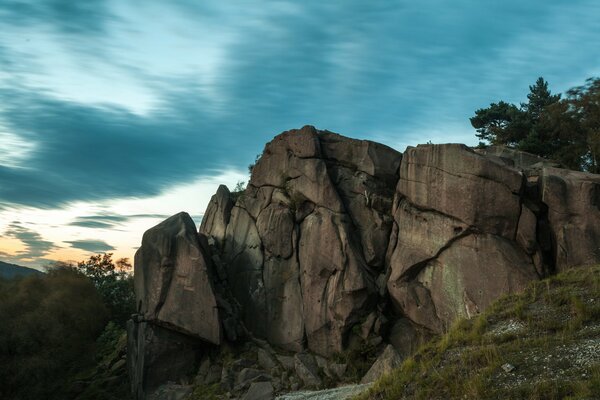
[{"x": 550, "y": 334}]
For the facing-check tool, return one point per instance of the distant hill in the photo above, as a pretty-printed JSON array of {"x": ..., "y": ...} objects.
[{"x": 11, "y": 270}]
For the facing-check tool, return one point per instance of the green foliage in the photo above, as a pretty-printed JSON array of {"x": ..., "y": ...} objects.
[
  {"x": 113, "y": 283},
  {"x": 566, "y": 130},
  {"x": 48, "y": 331}
]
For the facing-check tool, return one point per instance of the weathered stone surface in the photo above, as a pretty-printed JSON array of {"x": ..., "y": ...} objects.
[
  {"x": 515, "y": 158},
  {"x": 406, "y": 337},
  {"x": 275, "y": 225},
  {"x": 243, "y": 257},
  {"x": 265, "y": 359},
  {"x": 284, "y": 307},
  {"x": 385, "y": 363},
  {"x": 259, "y": 391},
  {"x": 157, "y": 355},
  {"x": 421, "y": 236},
  {"x": 573, "y": 200},
  {"x": 215, "y": 219},
  {"x": 463, "y": 280},
  {"x": 335, "y": 285},
  {"x": 455, "y": 181},
  {"x": 171, "y": 391},
  {"x": 302, "y": 238},
  {"x": 330, "y": 229},
  {"x": 172, "y": 282},
  {"x": 307, "y": 369}
]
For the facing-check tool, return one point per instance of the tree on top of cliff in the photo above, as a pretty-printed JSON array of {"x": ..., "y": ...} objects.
[
  {"x": 506, "y": 124},
  {"x": 566, "y": 130}
]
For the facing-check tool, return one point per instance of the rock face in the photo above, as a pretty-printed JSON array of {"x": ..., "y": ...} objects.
[
  {"x": 171, "y": 280},
  {"x": 305, "y": 241},
  {"x": 573, "y": 201},
  {"x": 339, "y": 242},
  {"x": 156, "y": 355},
  {"x": 176, "y": 305},
  {"x": 457, "y": 215}
]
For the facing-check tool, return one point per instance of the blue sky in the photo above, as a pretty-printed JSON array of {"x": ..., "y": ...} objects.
[{"x": 115, "y": 114}]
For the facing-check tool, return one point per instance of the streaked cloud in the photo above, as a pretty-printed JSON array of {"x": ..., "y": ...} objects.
[
  {"x": 35, "y": 245},
  {"x": 94, "y": 246},
  {"x": 136, "y": 102}
]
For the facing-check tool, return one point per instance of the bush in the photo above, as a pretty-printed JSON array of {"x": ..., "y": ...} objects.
[{"x": 48, "y": 331}]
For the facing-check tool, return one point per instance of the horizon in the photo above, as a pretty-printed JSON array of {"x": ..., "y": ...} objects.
[{"x": 114, "y": 116}]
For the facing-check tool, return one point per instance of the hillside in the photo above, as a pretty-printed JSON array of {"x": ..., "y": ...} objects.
[
  {"x": 10, "y": 271},
  {"x": 541, "y": 344}
]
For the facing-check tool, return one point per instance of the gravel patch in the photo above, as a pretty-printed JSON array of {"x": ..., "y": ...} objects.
[{"x": 340, "y": 393}]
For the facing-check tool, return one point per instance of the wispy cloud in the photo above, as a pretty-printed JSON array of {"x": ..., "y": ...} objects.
[
  {"x": 35, "y": 245},
  {"x": 397, "y": 73},
  {"x": 95, "y": 246}
]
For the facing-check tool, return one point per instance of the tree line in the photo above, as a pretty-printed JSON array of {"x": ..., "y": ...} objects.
[
  {"x": 562, "y": 128},
  {"x": 55, "y": 326}
]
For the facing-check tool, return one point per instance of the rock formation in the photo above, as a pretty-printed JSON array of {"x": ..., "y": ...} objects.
[{"x": 337, "y": 241}]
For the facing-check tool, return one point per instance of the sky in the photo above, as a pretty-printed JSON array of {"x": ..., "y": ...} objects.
[{"x": 117, "y": 114}]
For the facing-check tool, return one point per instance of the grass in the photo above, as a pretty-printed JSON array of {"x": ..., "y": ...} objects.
[{"x": 550, "y": 334}]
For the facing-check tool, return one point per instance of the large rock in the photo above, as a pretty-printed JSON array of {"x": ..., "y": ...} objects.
[
  {"x": 573, "y": 201},
  {"x": 462, "y": 236},
  {"x": 335, "y": 287},
  {"x": 336, "y": 239},
  {"x": 455, "y": 181},
  {"x": 385, "y": 363},
  {"x": 156, "y": 355},
  {"x": 304, "y": 239},
  {"x": 172, "y": 282}
]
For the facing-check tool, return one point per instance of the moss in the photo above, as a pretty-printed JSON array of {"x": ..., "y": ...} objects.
[{"x": 207, "y": 392}]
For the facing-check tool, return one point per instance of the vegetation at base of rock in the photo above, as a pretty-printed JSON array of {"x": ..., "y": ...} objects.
[
  {"x": 550, "y": 334},
  {"x": 48, "y": 331},
  {"x": 562, "y": 129},
  {"x": 207, "y": 392},
  {"x": 107, "y": 379}
]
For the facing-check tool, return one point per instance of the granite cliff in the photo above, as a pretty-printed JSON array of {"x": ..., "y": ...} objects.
[{"x": 338, "y": 243}]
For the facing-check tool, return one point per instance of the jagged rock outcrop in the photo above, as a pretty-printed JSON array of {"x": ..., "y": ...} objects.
[
  {"x": 339, "y": 242},
  {"x": 305, "y": 241},
  {"x": 172, "y": 282},
  {"x": 573, "y": 201},
  {"x": 455, "y": 247}
]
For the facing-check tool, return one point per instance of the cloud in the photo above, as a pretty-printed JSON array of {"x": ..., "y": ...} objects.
[
  {"x": 72, "y": 17},
  {"x": 110, "y": 221},
  {"x": 35, "y": 246},
  {"x": 95, "y": 246},
  {"x": 405, "y": 72},
  {"x": 89, "y": 153}
]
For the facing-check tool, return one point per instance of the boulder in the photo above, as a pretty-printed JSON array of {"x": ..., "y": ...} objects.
[
  {"x": 172, "y": 282},
  {"x": 573, "y": 201},
  {"x": 307, "y": 369},
  {"x": 385, "y": 363},
  {"x": 259, "y": 391},
  {"x": 303, "y": 237},
  {"x": 455, "y": 181},
  {"x": 156, "y": 355},
  {"x": 336, "y": 290},
  {"x": 463, "y": 280}
]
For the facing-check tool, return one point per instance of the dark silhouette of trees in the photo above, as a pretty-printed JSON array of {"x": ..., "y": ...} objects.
[
  {"x": 48, "y": 327},
  {"x": 114, "y": 284}
]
